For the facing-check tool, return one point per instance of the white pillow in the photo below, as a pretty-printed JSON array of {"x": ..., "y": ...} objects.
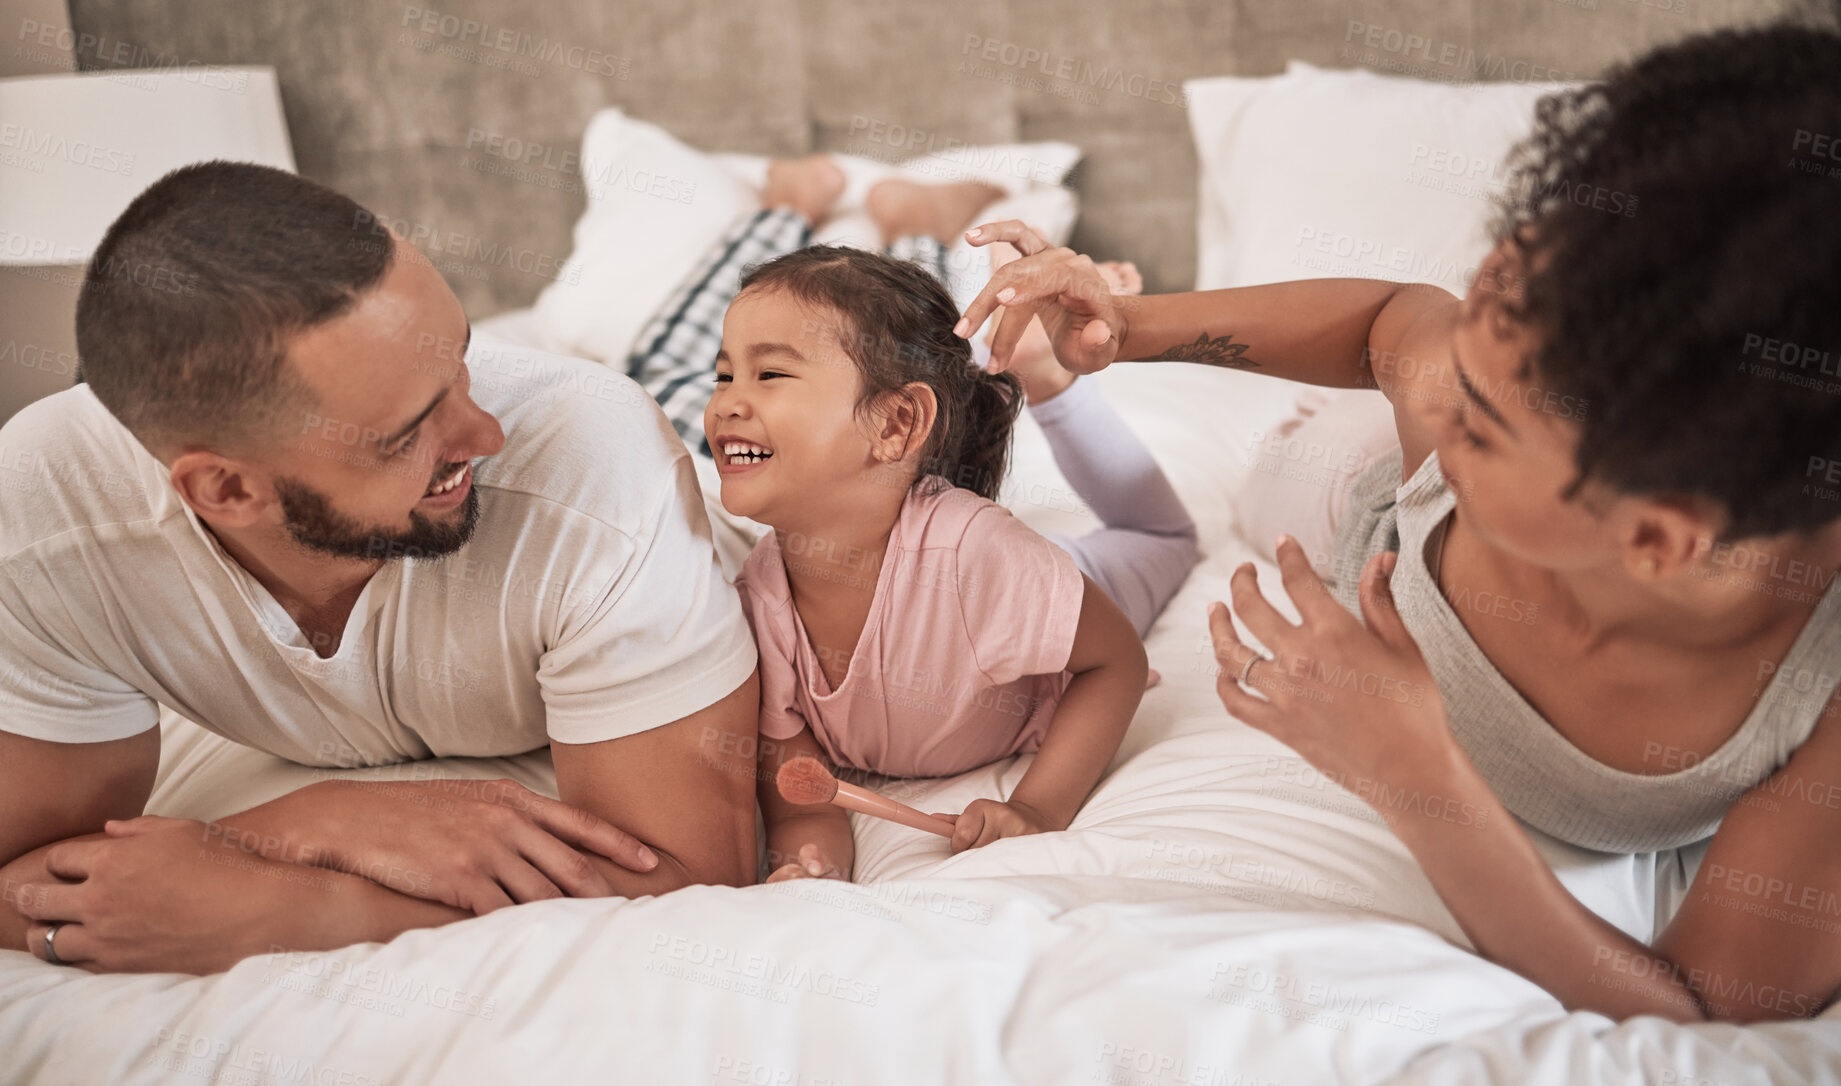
[
  {"x": 1318, "y": 173},
  {"x": 656, "y": 206}
]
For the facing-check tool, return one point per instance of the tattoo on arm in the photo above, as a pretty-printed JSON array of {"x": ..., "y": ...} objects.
[{"x": 1213, "y": 351}]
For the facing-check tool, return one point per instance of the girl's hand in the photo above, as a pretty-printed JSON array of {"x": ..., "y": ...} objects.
[
  {"x": 811, "y": 863},
  {"x": 1356, "y": 701},
  {"x": 987, "y": 820}
]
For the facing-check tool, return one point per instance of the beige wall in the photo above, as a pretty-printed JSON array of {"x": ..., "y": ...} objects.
[
  {"x": 385, "y": 109},
  {"x": 36, "y": 38},
  {"x": 37, "y": 346}
]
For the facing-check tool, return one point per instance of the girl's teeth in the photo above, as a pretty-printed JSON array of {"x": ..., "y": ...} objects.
[{"x": 742, "y": 453}]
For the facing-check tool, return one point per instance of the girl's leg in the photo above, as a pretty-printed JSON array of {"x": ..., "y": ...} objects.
[
  {"x": 675, "y": 361},
  {"x": 928, "y": 252},
  {"x": 1148, "y": 545},
  {"x": 919, "y": 223}
]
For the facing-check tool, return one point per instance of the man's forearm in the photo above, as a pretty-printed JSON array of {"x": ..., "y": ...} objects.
[
  {"x": 292, "y": 829},
  {"x": 1313, "y": 330},
  {"x": 302, "y": 908},
  {"x": 283, "y": 829}
]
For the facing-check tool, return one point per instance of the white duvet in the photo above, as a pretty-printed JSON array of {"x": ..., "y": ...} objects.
[{"x": 1219, "y": 915}]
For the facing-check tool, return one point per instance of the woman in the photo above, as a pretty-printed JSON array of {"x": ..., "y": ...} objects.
[{"x": 1609, "y": 430}]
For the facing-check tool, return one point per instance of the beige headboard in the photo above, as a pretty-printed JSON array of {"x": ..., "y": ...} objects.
[{"x": 402, "y": 105}]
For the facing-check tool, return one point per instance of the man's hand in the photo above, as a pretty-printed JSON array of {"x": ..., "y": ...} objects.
[
  {"x": 987, "y": 820},
  {"x": 1084, "y": 319},
  {"x": 153, "y": 896},
  {"x": 477, "y": 845}
]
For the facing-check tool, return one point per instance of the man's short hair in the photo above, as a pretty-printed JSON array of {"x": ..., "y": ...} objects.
[{"x": 188, "y": 306}]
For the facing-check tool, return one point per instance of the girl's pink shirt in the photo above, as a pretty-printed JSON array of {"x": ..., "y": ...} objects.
[{"x": 962, "y": 659}]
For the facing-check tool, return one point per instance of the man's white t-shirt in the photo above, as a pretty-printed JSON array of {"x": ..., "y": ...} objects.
[{"x": 588, "y": 605}]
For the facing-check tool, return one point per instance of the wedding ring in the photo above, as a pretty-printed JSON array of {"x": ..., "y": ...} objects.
[
  {"x": 51, "y": 950},
  {"x": 1248, "y": 668}
]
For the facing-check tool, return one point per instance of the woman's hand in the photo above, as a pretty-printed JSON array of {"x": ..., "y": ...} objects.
[
  {"x": 1356, "y": 701},
  {"x": 1084, "y": 319},
  {"x": 810, "y": 863}
]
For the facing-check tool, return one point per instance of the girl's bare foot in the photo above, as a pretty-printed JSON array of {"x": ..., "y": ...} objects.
[
  {"x": 809, "y": 185},
  {"x": 1122, "y": 276},
  {"x": 903, "y": 209},
  {"x": 1034, "y": 363}
]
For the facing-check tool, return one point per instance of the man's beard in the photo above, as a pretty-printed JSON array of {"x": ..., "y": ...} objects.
[{"x": 313, "y": 523}]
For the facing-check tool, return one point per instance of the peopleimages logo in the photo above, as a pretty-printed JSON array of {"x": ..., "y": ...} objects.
[
  {"x": 514, "y": 43},
  {"x": 1418, "y": 54},
  {"x": 1074, "y": 70},
  {"x": 55, "y": 145}
]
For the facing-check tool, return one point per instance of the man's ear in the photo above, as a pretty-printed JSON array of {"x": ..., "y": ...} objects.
[
  {"x": 1665, "y": 537},
  {"x": 903, "y": 421},
  {"x": 219, "y": 489}
]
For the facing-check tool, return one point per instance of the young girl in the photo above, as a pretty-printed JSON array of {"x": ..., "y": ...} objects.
[
  {"x": 908, "y": 624},
  {"x": 859, "y": 447}
]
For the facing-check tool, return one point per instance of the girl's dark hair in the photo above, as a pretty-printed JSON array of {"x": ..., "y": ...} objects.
[
  {"x": 897, "y": 328},
  {"x": 1678, "y": 230}
]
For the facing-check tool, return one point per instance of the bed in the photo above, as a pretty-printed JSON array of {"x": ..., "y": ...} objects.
[{"x": 1219, "y": 914}]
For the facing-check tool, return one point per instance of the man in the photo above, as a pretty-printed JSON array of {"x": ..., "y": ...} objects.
[{"x": 294, "y": 504}]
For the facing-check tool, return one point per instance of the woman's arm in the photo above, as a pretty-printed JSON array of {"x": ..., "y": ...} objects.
[
  {"x": 1753, "y": 941},
  {"x": 1318, "y": 331},
  {"x": 801, "y": 834},
  {"x": 1760, "y": 934},
  {"x": 1110, "y": 667}
]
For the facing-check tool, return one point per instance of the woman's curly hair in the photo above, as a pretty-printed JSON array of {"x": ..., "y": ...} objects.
[{"x": 1677, "y": 232}]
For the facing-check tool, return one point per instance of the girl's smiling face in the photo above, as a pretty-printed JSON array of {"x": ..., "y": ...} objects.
[{"x": 783, "y": 422}]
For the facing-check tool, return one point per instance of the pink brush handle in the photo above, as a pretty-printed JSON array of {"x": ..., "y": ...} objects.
[{"x": 863, "y": 801}]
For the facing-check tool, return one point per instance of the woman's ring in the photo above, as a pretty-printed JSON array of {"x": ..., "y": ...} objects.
[{"x": 1245, "y": 670}]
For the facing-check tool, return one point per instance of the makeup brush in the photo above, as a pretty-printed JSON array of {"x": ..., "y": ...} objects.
[{"x": 805, "y": 780}]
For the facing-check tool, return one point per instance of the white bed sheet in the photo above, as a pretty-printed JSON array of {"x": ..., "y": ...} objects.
[{"x": 1219, "y": 915}]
